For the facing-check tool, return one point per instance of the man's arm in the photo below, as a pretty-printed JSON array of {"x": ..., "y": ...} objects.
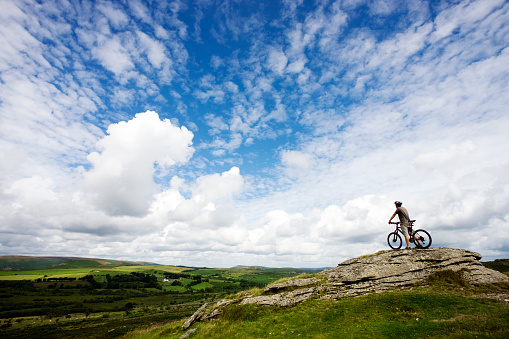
[{"x": 392, "y": 217}]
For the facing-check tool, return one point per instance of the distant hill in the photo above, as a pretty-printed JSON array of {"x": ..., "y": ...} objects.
[
  {"x": 21, "y": 262},
  {"x": 278, "y": 269},
  {"x": 501, "y": 265}
]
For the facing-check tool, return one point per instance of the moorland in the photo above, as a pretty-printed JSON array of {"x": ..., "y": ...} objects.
[
  {"x": 99, "y": 298},
  {"x": 83, "y": 297}
]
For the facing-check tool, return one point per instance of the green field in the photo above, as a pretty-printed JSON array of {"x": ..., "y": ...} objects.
[
  {"x": 36, "y": 274},
  {"x": 19, "y": 263},
  {"x": 93, "y": 294}
]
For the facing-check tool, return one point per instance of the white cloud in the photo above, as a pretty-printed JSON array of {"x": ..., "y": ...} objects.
[
  {"x": 296, "y": 163},
  {"x": 114, "y": 56},
  {"x": 121, "y": 180},
  {"x": 32, "y": 191},
  {"x": 443, "y": 157},
  {"x": 296, "y": 66},
  {"x": 117, "y": 17},
  {"x": 232, "y": 87},
  {"x": 155, "y": 50},
  {"x": 470, "y": 12},
  {"x": 219, "y": 186},
  {"x": 277, "y": 61},
  {"x": 139, "y": 10}
]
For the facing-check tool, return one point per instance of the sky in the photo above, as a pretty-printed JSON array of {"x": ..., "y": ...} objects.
[{"x": 251, "y": 132}]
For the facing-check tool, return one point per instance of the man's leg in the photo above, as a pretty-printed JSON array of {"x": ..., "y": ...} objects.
[
  {"x": 404, "y": 230},
  {"x": 416, "y": 240}
]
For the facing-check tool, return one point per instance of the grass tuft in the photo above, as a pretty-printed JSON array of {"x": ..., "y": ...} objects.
[
  {"x": 447, "y": 278},
  {"x": 241, "y": 313}
]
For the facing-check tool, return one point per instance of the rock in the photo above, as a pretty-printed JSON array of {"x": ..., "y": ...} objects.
[
  {"x": 188, "y": 333},
  {"x": 366, "y": 274},
  {"x": 195, "y": 316},
  {"x": 291, "y": 283},
  {"x": 403, "y": 269},
  {"x": 218, "y": 309},
  {"x": 283, "y": 299}
]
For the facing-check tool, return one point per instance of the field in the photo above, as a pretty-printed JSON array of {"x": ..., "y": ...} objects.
[{"x": 104, "y": 298}]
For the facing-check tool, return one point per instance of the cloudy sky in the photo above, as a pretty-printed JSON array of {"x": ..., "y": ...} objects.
[{"x": 255, "y": 132}]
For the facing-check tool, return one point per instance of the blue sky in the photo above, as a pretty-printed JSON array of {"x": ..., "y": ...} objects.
[{"x": 275, "y": 133}]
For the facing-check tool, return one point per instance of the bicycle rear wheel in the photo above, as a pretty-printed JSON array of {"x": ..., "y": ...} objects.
[
  {"x": 394, "y": 240},
  {"x": 422, "y": 237}
]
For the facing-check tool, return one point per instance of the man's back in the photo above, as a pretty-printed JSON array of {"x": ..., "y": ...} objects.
[{"x": 403, "y": 216}]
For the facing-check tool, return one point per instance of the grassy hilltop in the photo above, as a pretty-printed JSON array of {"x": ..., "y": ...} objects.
[
  {"x": 426, "y": 313},
  {"x": 448, "y": 307}
]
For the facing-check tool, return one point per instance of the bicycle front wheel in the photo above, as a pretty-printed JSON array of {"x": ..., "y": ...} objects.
[
  {"x": 423, "y": 238},
  {"x": 394, "y": 240}
]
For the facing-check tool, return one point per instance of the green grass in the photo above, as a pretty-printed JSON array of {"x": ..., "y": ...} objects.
[
  {"x": 48, "y": 273},
  {"x": 501, "y": 266},
  {"x": 421, "y": 313}
]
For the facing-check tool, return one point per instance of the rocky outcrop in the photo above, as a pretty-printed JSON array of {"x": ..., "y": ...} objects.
[
  {"x": 366, "y": 274},
  {"x": 404, "y": 269}
]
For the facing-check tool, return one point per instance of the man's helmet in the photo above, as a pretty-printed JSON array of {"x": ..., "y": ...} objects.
[{"x": 398, "y": 203}]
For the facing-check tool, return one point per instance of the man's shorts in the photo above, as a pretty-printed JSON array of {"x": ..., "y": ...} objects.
[{"x": 404, "y": 229}]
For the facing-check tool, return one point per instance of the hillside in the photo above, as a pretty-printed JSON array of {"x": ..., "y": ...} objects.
[
  {"x": 20, "y": 262},
  {"x": 438, "y": 292}
]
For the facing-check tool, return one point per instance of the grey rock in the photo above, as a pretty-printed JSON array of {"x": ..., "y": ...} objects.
[
  {"x": 403, "y": 269},
  {"x": 290, "y": 284},
  {"x": 195, "y": 317},
  {"x": 282, "y": 299},
  {"x": 188, "y": 333}
]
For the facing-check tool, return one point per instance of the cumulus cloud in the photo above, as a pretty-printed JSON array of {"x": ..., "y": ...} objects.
[
  {"x": 121, "y": 181},
  {"x": 211, "y": 203}
]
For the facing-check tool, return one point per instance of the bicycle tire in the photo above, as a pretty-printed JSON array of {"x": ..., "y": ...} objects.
[
  {"x": 394, "y": 240},
  {"x": 424, "y": 238}
]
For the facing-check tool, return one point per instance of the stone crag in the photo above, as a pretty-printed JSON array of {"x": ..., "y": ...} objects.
[{"x": 363, "y": 275}]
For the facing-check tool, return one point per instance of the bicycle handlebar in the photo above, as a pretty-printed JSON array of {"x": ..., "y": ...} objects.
[{"x": 397, "y": 222}]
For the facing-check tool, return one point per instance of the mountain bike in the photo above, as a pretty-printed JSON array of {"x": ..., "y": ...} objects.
[{"x": 420, "y": 238}]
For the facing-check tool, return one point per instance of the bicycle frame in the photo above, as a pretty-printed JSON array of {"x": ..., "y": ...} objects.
[
  {"x": 421, "y": 238},
  {"x": 410, "y": 229}
]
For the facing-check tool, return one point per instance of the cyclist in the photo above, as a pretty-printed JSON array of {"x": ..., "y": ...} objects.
[{"x": 404, "y": 221}]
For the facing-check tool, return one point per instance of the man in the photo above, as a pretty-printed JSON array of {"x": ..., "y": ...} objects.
[{"x": 404, "y": 220}]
